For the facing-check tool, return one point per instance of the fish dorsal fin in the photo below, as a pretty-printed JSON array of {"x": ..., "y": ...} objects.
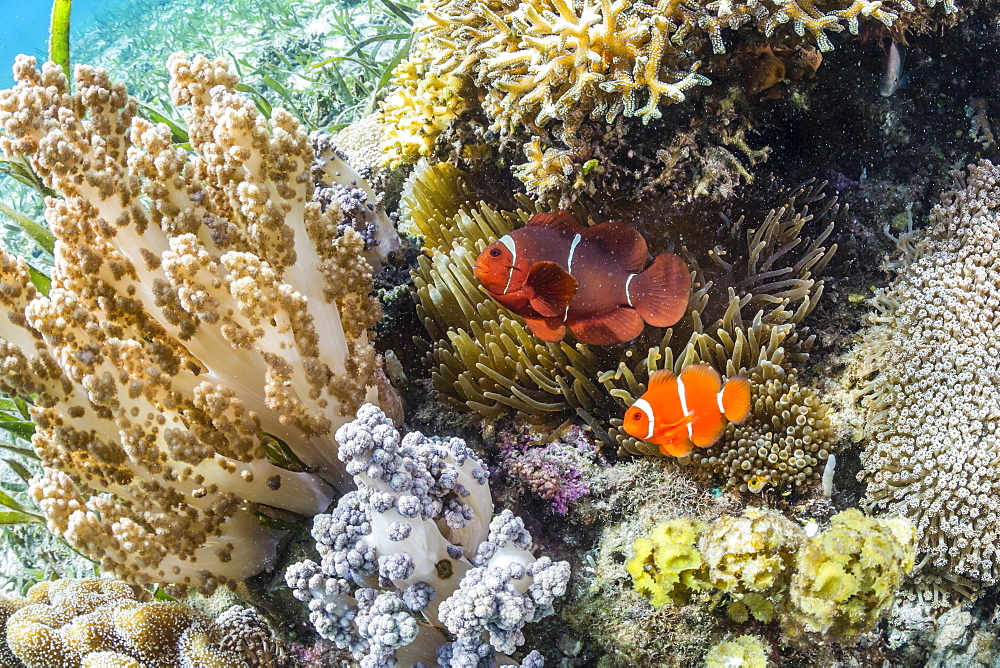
[
  {"x": 561, "y": 220},
  {"x": 702, "y": 379},
  {"x": 622, "y": 242},
  {"x": 660, "y": 377},
  {"x": 549, "y": 289}
]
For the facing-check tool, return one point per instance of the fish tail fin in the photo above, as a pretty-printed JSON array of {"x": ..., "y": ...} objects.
[
  {"x": 736, "y": 399},
  {"x": 660, "y": 293}
]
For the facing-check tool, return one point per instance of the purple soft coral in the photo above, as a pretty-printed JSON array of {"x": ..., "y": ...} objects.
[{"x": 553, "y": 471}]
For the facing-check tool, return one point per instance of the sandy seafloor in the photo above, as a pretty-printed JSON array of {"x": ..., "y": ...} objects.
[{"x": 888, "y": 158}]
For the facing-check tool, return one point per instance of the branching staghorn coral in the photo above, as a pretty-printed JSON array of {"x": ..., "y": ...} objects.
[
  {"x": 552, "y": 59},
  {"x": 94, "y": 623},
  {"x": 487, "y": 361},
  {"x": 205, "y": 318},
  {"x": 928, "y": 373},
  {"x": 549, "y": 65}
]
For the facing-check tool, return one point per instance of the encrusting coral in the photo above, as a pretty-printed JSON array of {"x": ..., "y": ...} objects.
[
  {"x": 205, "y": 320},
  {"x": 750, "y": 557},
  {"x": 838, "y": 581},
  {"x": 846, "y": 575},
  {"x": 745, "y": 652},
  {"x": 417, "y": 538},
  {"x": 667, "y": 566},
  {"x": 486, "y": 360},
  {"x": 97, "y": 623},
  {"x": 929, "y": 379}
]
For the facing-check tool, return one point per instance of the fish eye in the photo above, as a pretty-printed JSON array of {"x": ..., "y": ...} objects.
[
  {"x": 637, "y": 415},
  {"x": 494, "y": 252}
]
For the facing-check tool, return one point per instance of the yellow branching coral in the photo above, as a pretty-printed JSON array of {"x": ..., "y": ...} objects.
[
  {"x": 107, "y": 624},
  {"x": 417, "y": 110},
  {"x": 204, "y": 315},
  {"x": 487, "y": 361}
]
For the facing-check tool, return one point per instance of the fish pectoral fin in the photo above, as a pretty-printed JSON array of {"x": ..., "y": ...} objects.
[
  {"x": 622, "y": 242},
  {"x": 547, "y": 329},
  {"x": 680, "y": 447},
  {"x": 620, "y": 325},
  {"x": 550, "y": 289},
  {"x": 560, "y": 220}
]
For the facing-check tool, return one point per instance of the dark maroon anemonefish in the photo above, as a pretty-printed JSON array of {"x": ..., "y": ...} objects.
[{"x": 556, "y": 273}]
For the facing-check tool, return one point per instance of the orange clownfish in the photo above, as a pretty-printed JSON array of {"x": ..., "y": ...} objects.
[
  {"x": 557, "y": 274},
  {"x": 678, "y": 413}
]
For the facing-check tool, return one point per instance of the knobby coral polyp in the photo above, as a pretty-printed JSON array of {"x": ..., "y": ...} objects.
[{"x": 201, "y": 304}]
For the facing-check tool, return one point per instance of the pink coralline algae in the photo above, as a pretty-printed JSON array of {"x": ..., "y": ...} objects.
[{"x": 554, "y": 472}]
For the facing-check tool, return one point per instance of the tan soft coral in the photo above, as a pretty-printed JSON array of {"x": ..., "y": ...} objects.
[
  {"x": 96, "y": 623},
  {"x": 203, "y": 312}
]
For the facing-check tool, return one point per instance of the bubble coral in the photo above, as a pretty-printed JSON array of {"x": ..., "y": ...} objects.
[
  {"x": 927, "y": 373},
  {"x": 96, "y": 622},
  {"x": 205, "y": 320}
]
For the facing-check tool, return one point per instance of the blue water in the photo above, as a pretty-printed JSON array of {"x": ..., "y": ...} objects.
[{"x": 24, "y": 28}]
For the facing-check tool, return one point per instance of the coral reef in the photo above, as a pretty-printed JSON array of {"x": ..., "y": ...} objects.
[
  {"x": 486, "y": 360},
  {"x": 547, "y": 67},
  {"x": 94, "y": 622},
  {"x": 927, "y": 376},
  {"x": 205, "y": 320},
  {"x": 837, "y": 582},
  {"x": 416, "y": 537}
]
